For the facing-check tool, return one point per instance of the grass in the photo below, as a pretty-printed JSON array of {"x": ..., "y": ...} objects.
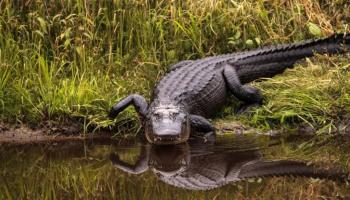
[
  {"x": 70, "y": 60},
  {"x": 316, "y": 94}
]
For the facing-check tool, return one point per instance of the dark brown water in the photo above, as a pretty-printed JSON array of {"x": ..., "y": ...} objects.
[{"x": 228, "y": 167}]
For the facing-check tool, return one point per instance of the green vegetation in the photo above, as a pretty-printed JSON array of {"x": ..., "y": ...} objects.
[
  {"x": 70, "y": 60},
  {"x": 317, "y": 95}
]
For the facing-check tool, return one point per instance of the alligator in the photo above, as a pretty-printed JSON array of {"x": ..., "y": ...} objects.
[
  {"x": 194, "y": 90},
  {"x": 205, "y": 166}
]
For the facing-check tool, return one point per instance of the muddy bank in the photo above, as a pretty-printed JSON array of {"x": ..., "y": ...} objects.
[
  {"x": 24, "y": 135},
  {"x": 55, "y": 133}
]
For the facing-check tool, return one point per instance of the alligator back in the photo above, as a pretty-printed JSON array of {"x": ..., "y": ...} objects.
[
  {"x": 211, "y": 171},
  {"x": 199, "y": 86}
]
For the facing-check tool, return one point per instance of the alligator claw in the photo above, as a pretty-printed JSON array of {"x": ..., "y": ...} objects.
[
  {"x": 114, "y": 158},
  {"x": 247, "y": 108}
]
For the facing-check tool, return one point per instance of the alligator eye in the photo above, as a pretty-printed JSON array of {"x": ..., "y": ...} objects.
[{"x": 174, "y": 115}]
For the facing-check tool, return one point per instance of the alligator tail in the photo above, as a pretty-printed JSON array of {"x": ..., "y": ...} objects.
[
  {"x": 270, "y": 61},
  {"x": 291, "y": 168}
]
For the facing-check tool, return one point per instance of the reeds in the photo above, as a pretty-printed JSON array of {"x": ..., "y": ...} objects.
[{"x": 72, "y": 59}]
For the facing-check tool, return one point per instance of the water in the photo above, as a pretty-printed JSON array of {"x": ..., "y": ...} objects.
[{"x": 228, "y": 167}]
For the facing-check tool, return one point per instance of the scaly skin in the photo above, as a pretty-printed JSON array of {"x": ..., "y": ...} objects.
[
  {"x": 193, "y": 90},
  {"x": 206, "y": 166}
]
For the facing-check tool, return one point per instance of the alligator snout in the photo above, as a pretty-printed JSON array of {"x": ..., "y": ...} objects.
[
  {"x": 169, "y": 139},
  {"x": 164, "y": 139},
  {"x": 167, "y": 133}
]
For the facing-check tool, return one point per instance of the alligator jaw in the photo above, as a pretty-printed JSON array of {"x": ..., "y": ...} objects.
[
  {"x": 161, "y": 136},
  {"x": 167, "y": 140}
]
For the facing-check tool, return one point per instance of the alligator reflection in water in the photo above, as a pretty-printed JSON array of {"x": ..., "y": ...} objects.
[{"x": 203, "y": 166}]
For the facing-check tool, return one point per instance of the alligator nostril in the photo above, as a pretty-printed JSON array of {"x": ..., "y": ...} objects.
[{"x": 167, "y": 138}]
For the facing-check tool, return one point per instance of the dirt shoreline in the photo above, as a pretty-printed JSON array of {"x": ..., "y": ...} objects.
[
  {"x": 25, "y": 135},
  {"x": 14, "y": 135},
  {"x": 22, "y": 134}
]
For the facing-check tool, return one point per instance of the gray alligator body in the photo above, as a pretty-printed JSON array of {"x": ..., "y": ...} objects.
[
  {"x": 209, "y": 166},
  {"x": 193, "y": 90}
]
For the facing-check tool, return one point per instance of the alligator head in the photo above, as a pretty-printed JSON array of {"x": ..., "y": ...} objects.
[{"x": 167, "y": 124}]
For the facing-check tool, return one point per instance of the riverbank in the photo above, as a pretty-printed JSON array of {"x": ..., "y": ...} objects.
[{"x": 19, "y": 135}]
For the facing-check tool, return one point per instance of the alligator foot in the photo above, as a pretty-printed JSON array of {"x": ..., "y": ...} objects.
[
  {"x": 200, "y": 124},
  {"x": 205, "y": 137}
]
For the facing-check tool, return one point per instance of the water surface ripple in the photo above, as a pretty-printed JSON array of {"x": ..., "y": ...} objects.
[{"x": 226, "y": 166}]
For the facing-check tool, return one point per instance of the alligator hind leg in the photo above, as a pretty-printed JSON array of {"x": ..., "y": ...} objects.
[
  {"x": 249, "y": 95},
  {"x": 244, "y": 93},
  {"x": 138, "y": 101}
]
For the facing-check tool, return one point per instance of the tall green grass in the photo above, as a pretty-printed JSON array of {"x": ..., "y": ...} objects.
[
  {"x": 70, "y": 60},
  {"x": 316, "y": 95}
]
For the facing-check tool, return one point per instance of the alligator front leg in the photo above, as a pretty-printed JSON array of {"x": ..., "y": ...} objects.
[
  {"x": 249, "y": 95},
  {"x": 200, "y": 124},
  {"x": 139, "y": 167},
  {"x": 138, "y": 101}
]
